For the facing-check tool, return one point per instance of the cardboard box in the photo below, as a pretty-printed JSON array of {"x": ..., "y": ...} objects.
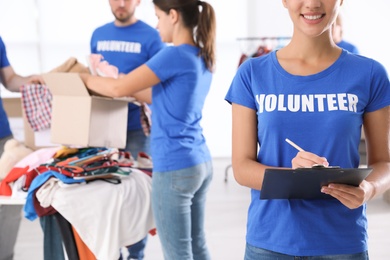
[
  {"x": 33, "y": 140},
  {"x": 12, "y": 106},
  {"x": 81, "y": 119},
  {"x": 36, "y": 140}
]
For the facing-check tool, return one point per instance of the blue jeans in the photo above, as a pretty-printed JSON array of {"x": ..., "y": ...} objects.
[
  {"x": 52, "y": 239},
  {"x": 178, "y": 203},
  {"x": 255, "y": 253},
  {"x": 137, "y": 142}
]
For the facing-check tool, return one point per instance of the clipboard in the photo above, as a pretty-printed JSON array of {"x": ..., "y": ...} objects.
[{"x": 306, "y": 183}]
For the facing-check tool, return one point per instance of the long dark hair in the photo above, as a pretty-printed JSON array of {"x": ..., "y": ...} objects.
[{"x": 200, "y": 17}]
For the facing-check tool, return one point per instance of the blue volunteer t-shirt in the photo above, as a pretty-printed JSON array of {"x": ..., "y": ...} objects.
[
  {"x": 177, "y": 139},
  {"x": 348, "y": 46},
  {"x": 323, "y": 114},
  {"x": 127, "y": 48},
  {"x": 5, "y": 129}
]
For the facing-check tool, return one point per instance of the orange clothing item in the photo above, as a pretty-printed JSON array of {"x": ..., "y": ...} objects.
[{"x": 82, "y": 249}]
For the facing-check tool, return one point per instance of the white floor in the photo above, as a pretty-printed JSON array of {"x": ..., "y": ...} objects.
[{"x": 225, "y": 224}]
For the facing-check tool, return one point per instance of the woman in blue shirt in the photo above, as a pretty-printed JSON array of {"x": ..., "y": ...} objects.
[
  {"x": 182, "y": 168},
  {"x": 319, "y": 96}
]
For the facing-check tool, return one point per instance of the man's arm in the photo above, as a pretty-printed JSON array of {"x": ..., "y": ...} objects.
[{"x": 13, "y": 81}]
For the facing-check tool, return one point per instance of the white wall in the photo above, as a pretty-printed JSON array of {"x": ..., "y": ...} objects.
[{"x": 41, "y": 34}]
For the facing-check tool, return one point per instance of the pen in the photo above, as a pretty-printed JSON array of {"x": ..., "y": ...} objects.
[{"x": 294, "y": 145}]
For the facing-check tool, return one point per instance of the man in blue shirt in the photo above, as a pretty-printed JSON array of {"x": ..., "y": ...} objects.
[
  {"x": 10, "y": 215},
  {"x": 128, "y": 43}
]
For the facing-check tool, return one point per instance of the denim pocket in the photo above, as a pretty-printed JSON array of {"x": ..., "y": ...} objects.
[{"x": 187, "y": 180}]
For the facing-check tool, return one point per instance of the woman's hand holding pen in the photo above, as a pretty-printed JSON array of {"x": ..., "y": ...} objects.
[
  {"x": 351, "y": 196},
  {"x": 305, "y": 159}
]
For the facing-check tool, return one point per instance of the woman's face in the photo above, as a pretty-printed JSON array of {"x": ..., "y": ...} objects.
[
  {"x": 312, "y": 17},
  {"x": 164, "y": 25}
]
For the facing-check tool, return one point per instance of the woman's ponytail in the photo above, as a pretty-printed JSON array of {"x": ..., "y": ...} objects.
[{"x": 205, "y": 34}]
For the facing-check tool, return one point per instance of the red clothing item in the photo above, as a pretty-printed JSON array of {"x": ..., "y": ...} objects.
[
  {"x": 36, "y": 101},
  {"x": 13, "y": 175},
  {"x": 41, "y": 211}
]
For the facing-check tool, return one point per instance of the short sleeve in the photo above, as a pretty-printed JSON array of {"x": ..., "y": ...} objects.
[
  {"x": 240, "y": 91},
  {"x": 380, "y": 88},
  {"x": 3, "y": 55}
]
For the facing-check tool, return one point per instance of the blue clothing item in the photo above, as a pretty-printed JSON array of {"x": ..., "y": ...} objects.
[
  {"x": 178, "y": 203},
  {"x": 348, "y": 46},
  {"x": 254, "y": 253},
  {"x": 136, "y": 251},
  {"x": 29, "y": 210},
  {"x": 127, "y": 48},
  {"x": 137, "y": 142},
  {"x": 5, "y": 129},
  {"x": 331, "y": 105},
  {"x": 177, "y": 137},
  {"x": 3, "y": 55},
  {"x": 52, "y": 239}
]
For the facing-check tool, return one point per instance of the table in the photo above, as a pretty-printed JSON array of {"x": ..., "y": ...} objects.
[{"x": 8, "y": 200}]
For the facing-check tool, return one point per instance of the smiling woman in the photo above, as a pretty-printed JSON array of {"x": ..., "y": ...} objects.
[
  {"x": 325, "y": 95},
  {"x": 42, "y": 34}
]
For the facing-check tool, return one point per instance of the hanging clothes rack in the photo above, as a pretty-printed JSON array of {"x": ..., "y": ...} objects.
[{"x": 257, "y": 46}]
